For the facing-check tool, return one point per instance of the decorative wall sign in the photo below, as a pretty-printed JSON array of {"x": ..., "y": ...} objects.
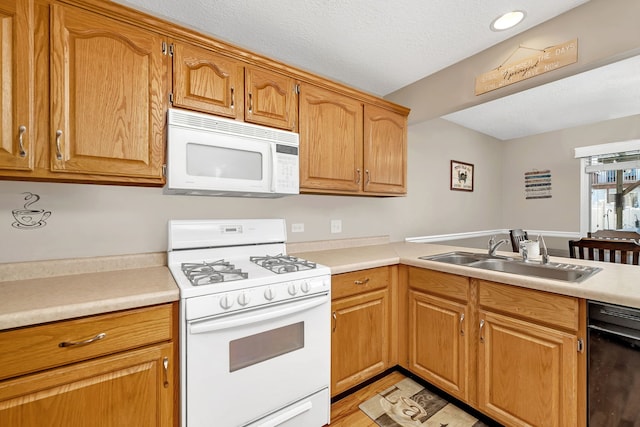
[
  {"x": 461, "y": 176},
  {"x": 548, "y": 59},
  {"x": 28, "y": 218},
  {"x": 537, "y": 184}
]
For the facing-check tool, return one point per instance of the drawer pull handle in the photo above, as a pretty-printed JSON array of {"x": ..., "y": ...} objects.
[
  {"x": 85, "y": 342},
  {"x": 481, "y": 327},
  {"x": 165, "y": 370},
  {"x": 361, "y": 282},
  {"x": 335, "y": 321},
  {"x": 461, "y": 324}
]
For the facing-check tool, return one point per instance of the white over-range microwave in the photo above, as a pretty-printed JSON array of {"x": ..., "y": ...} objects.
[{"x": 214, "y": 156}]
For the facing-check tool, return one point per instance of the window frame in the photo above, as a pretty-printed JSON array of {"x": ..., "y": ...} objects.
[{"x": 583, "y": 153}]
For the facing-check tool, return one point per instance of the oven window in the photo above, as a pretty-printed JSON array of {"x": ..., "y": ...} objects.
[
  {"x": 220, "y": 162},
  {"x": 266, "y": 345}
]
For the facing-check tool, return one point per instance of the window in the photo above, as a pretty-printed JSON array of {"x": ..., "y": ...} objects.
[{"x": 610, "y": 187}]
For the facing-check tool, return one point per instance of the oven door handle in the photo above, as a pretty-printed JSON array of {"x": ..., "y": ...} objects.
[{"x": 218, "y": 324}]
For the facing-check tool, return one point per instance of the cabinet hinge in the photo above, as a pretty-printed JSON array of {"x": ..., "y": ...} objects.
[
  {"x": 164, "y": 170},
  {"x": 164, "y": 48},
  {"x": 171, "y": 98},
  {"x": 171, "y": 49},
  {"x": 580, "y": 345}
]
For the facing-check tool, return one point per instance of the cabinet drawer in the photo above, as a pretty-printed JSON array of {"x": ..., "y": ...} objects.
[
  {"x": 36, "y": 348},
  {"x": 539, "y": 306},
  {"x": 439, "y": 283},
  {"x": 356, "y": 282}
]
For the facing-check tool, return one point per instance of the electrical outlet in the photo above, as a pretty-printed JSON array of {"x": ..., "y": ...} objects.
[
  {"x": 297, "y": 228},
  {"x": 336, "y": 226}
]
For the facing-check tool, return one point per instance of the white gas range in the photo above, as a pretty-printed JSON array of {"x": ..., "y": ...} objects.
[{"x": 254, "y": 326}]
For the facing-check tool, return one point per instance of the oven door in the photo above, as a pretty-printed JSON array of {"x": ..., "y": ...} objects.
[{"x": 246, "y": 366}]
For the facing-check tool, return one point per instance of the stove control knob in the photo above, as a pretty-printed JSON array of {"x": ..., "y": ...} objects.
[
  {"x": 304, "y": 287},
  {"x": 243, "y": 299},
  {"x": 226, "y": 302},
  {"x": 292, "y": 289},
  {"x": 269, "y": 294}
]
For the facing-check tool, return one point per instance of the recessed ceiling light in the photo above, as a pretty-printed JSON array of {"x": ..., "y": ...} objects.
[{"x": 508, "y": 20}]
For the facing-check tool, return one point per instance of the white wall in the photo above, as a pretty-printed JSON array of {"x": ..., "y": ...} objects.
[{"x": 97, "y": 220}]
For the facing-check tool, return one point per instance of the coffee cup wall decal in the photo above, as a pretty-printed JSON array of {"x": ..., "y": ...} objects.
[{"x": 28, "y": 217}]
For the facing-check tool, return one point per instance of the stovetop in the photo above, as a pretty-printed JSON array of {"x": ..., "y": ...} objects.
[{"x": 221, "y": 256}]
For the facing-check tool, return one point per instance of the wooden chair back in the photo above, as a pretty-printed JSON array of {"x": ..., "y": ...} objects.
[
  {"x": 614, "y": 235},
  {"x": 616, "y": 251},
  {"x": 517, "y": 236}
]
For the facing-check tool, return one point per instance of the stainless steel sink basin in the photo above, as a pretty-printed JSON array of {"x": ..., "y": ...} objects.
[{"x": 552, "y": 270}]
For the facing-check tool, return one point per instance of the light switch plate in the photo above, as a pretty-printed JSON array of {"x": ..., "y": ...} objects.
[
  {"x": 336, "y": 226},
  {"x": 297, "y": 228}
]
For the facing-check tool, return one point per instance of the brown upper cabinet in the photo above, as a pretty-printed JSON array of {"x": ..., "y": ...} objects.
[
  {"x": 107, "y": 90},
  {"x": 385, "y": 151},
  {"x": 17, "y": 76},
  {"x": 271, "y": 99},
  {"x": 349, "y": 147},
  {"x": 97, "y": 87},
  {"x": 98, "y": 76},
  {"x": 207, "y": 82},
  {"x": 213, "y": 83}
]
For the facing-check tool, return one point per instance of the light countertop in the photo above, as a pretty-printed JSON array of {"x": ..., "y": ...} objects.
[
  {"x": 100, "y": 286},
  {"x": 74, "y": 288},
  {"x": 615, "y": 283}
]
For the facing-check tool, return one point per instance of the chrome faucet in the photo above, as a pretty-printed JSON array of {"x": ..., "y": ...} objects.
[
  {"x": 493, "y": 245},
  {"x": 543, "y": 250}
]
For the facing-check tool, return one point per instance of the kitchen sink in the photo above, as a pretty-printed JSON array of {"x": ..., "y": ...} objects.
[{"x": 553, "y": 270}]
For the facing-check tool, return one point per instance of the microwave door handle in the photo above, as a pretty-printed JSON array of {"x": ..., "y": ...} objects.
[
  {"x": 254, "y": 317},
  {"x": 274, "y": 166}
]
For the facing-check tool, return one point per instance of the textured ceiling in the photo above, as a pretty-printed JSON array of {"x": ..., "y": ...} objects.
[{"x": 374, "y": 45}]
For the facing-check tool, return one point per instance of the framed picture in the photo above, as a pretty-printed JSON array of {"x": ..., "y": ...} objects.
[{"x": 461, "y": 176}]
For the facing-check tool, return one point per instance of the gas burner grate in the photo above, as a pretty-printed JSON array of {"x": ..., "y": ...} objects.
[
  {"x": 282, "y": 263},
  {"x": 206, "y": 273}
]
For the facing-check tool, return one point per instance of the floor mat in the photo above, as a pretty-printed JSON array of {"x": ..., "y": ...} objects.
[{"x": 408, "y": 404}]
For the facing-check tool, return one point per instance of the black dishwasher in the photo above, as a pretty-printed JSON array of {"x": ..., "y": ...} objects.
[{"x": 614, "y": 366}]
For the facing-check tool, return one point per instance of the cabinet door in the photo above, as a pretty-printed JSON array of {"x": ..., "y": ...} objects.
[
  {"x": 108, "y": 85},
  {"x": 385, "y": 151},
  {"x": 330, "y": 141},
  {"x": 17, "y": 79},
  {"x": 135, "y": 388},
  {"x": 527, "y": 373},
  {"x": 207, "y": 82},
  {"x": 359, "y": 339},
  {"x": 438, "y": 343},
  {"x": 271, "y": 99}
]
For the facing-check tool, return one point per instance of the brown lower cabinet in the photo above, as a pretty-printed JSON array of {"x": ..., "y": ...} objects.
[
  {"x": 128, "y": 377},
  {"x": 515, "y": 354},
  {"x": 361, "y": 344}
]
